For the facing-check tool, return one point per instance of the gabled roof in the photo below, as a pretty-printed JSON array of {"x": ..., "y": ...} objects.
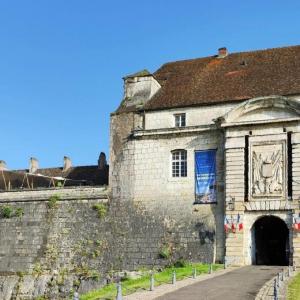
[{"x": 236, "y": 77}]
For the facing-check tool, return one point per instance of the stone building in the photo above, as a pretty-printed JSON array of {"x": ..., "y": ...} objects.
[{"x": 211, "y": 148}]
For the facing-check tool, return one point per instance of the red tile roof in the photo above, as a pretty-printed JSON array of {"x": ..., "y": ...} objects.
[{"x": 238, "y": 76}]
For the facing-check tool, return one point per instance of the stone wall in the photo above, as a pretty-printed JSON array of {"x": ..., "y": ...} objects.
[
  {"x": 55, "y": 241},
  {"x": 174, "y": 197},
  {"x": 195, "y": 116},
  {"x": 141, "y": 173},
  {"x": 52, "y": 242}
]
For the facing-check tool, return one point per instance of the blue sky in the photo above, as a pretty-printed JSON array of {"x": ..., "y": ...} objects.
[{"x": 62, "y": 62}]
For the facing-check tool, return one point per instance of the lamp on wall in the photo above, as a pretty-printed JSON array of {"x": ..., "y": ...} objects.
[{"x": 231, "y": 203}]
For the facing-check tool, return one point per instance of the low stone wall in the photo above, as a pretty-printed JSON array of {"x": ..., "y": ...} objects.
[{"x": 55, "y": 241}]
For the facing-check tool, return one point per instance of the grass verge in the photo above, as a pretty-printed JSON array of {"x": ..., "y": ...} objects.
[
  {"x": 129, "y": 286},
  {"x": 294, "y": 288}
]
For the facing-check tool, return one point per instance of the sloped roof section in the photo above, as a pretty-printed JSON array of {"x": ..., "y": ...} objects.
[
  {"x": 236, "y": 77},
  {"x": 138, "y": 74},
  {"x": 45, "y": 178}
]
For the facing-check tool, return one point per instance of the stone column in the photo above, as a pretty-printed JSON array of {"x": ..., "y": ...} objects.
[
  {"x": 296, "y": 194},
  {"x": 234, "y": 197}
]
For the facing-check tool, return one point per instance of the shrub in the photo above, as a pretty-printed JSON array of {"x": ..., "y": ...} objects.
[
  {"x": 180, "y": 263},
  {"x": 37, "y": 269},
  {"x": 59, "y": 184},
  {"x": 19, "y": 212},
  {"x": 6, "y": 211},
  {"x": 101, "y": 209},
  {"x": 76, "y": 283},
  {"x": 52, "y": 203},
  {"x": 165, "y": 252},
  {"x": 93, "y": 274}
]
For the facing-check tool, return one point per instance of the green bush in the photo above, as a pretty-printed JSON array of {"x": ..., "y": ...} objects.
[
  {"x": 52, "y": 203},
  {"x": 7, "y": 211},
  {"x": 59, "y": 184},
  {"x": 19, "y": 212},
  {"x": 180, "y": 263},
  {"x": 165, "y": 252},
  {"x": 101, "y": 209},
  {"x": 37, "y": 269}
]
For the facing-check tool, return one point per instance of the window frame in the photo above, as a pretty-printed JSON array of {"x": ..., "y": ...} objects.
[
  {"x": 179, "y": 168},
  {"x": 180, "y": 118}
]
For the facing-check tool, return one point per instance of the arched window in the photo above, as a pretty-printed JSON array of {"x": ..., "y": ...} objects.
[{"x": 179, "y": 163}]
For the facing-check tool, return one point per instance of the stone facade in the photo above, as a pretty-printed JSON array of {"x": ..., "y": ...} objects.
[
  {"x": 252, "y": 179},
  {"x": 143, "y": 166}
]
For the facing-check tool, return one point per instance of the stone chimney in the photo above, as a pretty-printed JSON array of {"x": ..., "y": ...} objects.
[
  {"x": 139, "y": 88},
  {"x": 67, "y": 163},
  {"x": 222, "y": 52},
  {"x": 3, "y": 166},
  {"x": 33, "y": 165},
  {"x": 102, "y": 163}
]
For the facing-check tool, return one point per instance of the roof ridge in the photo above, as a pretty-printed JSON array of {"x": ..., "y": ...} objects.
[
  {"x": 229, "y": 54},
  {"x": 236, "y": 77}
]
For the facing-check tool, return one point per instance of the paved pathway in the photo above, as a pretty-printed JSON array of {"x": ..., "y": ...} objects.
[{"x": 240, "y": 284}]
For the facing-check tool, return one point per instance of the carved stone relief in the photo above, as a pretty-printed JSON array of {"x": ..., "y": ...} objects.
[{"x": 267, "y": 170}]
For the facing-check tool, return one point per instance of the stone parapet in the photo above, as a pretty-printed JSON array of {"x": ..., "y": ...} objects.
[{"x": 66, "y": 194}]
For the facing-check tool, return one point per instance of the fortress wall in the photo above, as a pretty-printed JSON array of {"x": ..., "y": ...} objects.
[{"x": 53, "y": 248}]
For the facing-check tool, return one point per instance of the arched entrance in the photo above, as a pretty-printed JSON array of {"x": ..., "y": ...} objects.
[{"x": 270, "y": 242}]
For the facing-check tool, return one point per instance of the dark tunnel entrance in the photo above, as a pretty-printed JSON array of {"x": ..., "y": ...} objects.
[{"x": 270, "y": 238}]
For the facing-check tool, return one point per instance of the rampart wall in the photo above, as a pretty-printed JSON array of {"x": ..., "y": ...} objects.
[{"x": 55, "y": 241}]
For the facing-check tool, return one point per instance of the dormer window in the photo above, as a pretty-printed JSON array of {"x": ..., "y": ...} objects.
[{"x": 180, "y": 120}]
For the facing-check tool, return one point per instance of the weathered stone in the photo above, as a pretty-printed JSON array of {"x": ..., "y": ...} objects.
[{"x": 7, "y": 285}]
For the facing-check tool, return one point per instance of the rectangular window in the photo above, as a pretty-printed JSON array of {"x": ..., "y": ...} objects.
[
  {"x": 205, "y": 176},
  {"x": 179, "y": 163},
  {"x": 180, "y": 120}
]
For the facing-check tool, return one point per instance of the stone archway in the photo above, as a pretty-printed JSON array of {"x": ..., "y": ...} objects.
[{"x": 270, "y": 241}]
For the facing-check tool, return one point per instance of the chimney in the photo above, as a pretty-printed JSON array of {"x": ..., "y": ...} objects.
[
  {"x": 222, "y": 52},
  {"x": 3, "y": 166},
  {"x": 67, "y": 163},
  {"x": 102, "y": 161},
  {"x": 33, "y": 165}
]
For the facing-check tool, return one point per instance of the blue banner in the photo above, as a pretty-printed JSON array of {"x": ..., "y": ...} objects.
[{"x": 205, "y": 176}]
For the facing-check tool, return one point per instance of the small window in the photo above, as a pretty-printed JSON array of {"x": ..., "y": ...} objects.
[
  {"x": 179, "y": 163},
  {"x": 179, "y": 120}
]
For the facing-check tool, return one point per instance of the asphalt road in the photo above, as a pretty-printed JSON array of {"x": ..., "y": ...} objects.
[{"x": 240, "y": 284}]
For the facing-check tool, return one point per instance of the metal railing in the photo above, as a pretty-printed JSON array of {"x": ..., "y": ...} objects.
[
  {"x": 152, "y": 281},
  {"x": 279, "y": 280}
]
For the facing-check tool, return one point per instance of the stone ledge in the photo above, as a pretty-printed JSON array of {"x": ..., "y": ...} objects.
[
  {"x": 66, "y": 194},
  {"x": 269, "y": 205},
  {"x": 175, "y": 130}
]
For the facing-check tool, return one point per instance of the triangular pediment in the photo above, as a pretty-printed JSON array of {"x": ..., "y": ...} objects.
[{"x": 262, "y": 110}]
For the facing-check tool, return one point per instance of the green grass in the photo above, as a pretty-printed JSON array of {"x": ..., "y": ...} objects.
[
  {"x": 131, "y": 285},
  {"x": 294, "y": 288}
]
